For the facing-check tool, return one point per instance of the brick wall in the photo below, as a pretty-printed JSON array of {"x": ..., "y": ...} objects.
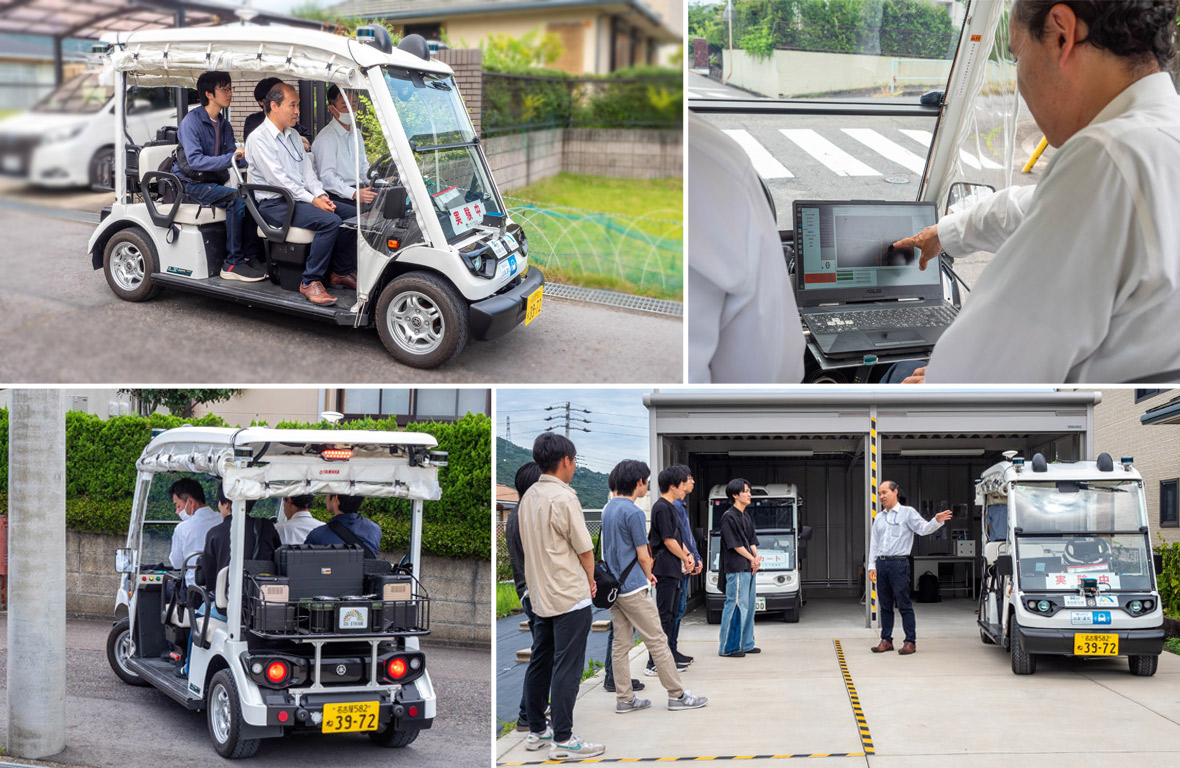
[
  {"x": 468, "y": 66},
  {"x": 521, "y": 159},
  {"x": 460, "y": 590},
  {"x": 1155, "y": 448}
]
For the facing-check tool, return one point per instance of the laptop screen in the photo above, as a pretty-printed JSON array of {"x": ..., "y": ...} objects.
[{"x": 844, "y": 251}]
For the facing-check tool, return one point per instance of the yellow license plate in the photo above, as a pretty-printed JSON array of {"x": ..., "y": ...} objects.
[
  {"x": 1095, "y": 645},
  {"x": 533, "y": 308},
  {"x": 345, "y": 718}
]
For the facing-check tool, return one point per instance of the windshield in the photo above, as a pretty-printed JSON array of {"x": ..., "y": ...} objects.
[
  {"x": 78, "y": 95},
  {"x": 446, "y": 149},
  {"x": 1074, "y": 530}
]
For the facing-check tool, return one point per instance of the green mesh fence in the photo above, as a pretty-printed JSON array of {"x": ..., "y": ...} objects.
[{"x": 633, "y": 254}]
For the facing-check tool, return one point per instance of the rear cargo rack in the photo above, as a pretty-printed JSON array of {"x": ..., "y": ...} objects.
[{"x": 359, "y": 617}]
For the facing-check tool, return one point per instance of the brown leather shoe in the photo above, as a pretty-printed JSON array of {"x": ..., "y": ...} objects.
[
  {"x": 344, "y": 281},
  {"x": 884, "y": 646},
  {"x": 316, "y": 294},
  {"x": 907, "y": 649}
]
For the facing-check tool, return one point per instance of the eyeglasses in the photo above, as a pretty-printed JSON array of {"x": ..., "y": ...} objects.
[{"x": 225, "y": 88}]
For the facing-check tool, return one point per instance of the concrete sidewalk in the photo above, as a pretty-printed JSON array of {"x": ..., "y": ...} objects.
[{"x": 954, "y": 703}]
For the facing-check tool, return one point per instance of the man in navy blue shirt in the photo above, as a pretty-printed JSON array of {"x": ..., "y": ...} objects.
[
  {"x": 206, "y": 149},
  {"x": 344, "y": 509},
  {"x": 690, "y": 540}
]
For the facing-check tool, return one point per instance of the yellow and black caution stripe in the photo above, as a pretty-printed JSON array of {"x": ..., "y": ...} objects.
[
  {"x": 684, "y": 759},
  {"x": 874, "y": 481},
  {"x": 862, "y": 725}
]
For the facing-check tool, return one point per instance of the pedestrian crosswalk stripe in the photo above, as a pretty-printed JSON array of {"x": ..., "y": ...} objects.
[
  {"x": 839, "y": 161},
  {"x": 693, "y": 95},
  {"x": 888, "y": 148},
  {"x": 925, "y": 137},
  {"x": 766, "y": 164}
]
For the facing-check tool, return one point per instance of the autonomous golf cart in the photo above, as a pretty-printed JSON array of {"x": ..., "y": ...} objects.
[
  {"x": 317, "y": 639},
  {"x": 778, "y": 583},
  {"x": 1069, "y": 569},
  {"x": 439, "y": 260}
]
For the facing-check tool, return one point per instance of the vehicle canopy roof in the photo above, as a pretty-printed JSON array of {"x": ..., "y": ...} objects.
[
  {"x": 995, "y": 479},
  {"x": 177, "y": 57},
  {"x": 287, "y": 462}
]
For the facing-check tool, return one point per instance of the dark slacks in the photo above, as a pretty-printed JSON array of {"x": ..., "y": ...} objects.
[
  {"x": 523, "y": 717},
  {"x": 667, "y": 600},
  {"x": 893, "y": 589},
  {"x": 329, "y": 248},
  {"x": 555, "y": 670}
]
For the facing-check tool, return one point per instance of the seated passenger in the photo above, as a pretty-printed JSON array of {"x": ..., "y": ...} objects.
[
  {"x": 295, "y": 520},
  {"x": 335, "y": 158},
  {"x": 278, "y": 159},
  {"x": 255, "y": 120},
  {"x": 205, "y": 149},
  {"x": 261, "y": 541},
  {"x": 347, "y": 526},
  {"x": 197, "y": 520}
]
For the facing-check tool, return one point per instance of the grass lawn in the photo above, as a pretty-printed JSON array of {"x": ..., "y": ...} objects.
[
  {"x": 506, "y": 600},
  {"x": 9, "y": 112},
  {"x": 617, "y": 234}
]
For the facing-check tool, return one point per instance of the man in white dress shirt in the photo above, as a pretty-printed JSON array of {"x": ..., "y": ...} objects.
[
  {"x": 336, "y": 155},
  {"x": 196, "y": 520},
  {"x": 295, "y": 521},
  {"x": 275, "y": 152},
  {"x": 1085, "y": 283},
  {"x": 889, "y": 564}
]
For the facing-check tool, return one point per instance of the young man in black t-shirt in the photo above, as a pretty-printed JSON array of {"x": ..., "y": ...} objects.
[
  {"x": 739, "y": 563},
  {"x": 672, "y": 557}
]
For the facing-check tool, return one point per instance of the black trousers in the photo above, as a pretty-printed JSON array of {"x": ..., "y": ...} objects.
[
  {"x": 667, "y": 601},
  {"x": 555, "y": 670}
]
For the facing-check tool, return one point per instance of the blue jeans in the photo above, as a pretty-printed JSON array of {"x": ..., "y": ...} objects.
[
  {"x": 737, "y": 617},
  {"x": 893, "y": 588},
  {"x": 235, "y": 217},
  {"x": 327, "y": 250}
]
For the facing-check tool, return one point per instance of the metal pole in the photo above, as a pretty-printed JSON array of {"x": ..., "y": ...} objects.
[
  {"x": 58, "y": 67},
  {"x": 181, "y": 93},
  {"x": 37, "y": 564},
  {"x": 416, "y": 538},
  {"x": 120, "y": 179}
]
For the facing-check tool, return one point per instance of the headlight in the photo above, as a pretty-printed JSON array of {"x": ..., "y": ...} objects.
[
  {"x": 1043, "y": 606},
  {"x": 1135, "y": 606},
  {"x": 1148, "y": 605},
  {"x": 713, "y": 579},
  {"x": 64, "y": 134},
  {"x": 1032, "y": 605}
]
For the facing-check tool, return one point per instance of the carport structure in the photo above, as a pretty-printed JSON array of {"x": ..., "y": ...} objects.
[{"x": 934, "y": 444}]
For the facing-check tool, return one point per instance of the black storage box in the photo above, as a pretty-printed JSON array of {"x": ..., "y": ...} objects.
[
  {"x": 274, "y": 617},
  {"x": 312, "y": 571},
  {"x": 389, "y": 586}
]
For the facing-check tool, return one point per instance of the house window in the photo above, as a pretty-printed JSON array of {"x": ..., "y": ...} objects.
[
  {"x": 1143, "y": 394},
  {"x": 429, "y": 31},
  {"x": 1169, "y": 517},
  {"x": 408, "y": 405}
]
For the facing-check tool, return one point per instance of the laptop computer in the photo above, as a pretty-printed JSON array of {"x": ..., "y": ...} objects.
[{"x": 856, "y": 293}]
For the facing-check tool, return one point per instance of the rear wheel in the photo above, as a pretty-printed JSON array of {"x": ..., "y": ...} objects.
[
  {"x": 1023, "y": 662},
  {"x": 1143, "y": 666},
  {"x": 224, "y": 711},
  {"x": 120, "y": 647},
  {"x": 393, "y": 738},
  {"x": 129, "y": 262},
  {"x": 422, "y": 320}
]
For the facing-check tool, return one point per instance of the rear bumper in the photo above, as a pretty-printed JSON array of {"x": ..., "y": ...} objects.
[
  {"x": 779, "y": 601},
  {"x": 1059, "y": 642},
  {"x": 405, "y": 712},
  {"x": 497, "y": 315}
]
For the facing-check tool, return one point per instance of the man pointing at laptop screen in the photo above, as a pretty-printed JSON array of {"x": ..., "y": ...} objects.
[{"x": 1085, "y": 283}]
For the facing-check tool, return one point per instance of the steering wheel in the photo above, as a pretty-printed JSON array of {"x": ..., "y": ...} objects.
[
  {"x": 377, "y": 169},
  {"x": 1087, "y": 550}
]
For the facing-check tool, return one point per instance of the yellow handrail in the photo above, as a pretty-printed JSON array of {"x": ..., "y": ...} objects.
[{"x": 1035, "y": 155}]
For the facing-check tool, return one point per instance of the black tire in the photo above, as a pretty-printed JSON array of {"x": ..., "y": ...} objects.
[
  {"x": 119, "y": 645},
  {"x": 421, "y": 302},
  {"x": 986, "y": 638},
  {"x": 129, "y": 262},
  {"x": 1143, "y": 666},
  {"x": 1023, "y": 662},
  {"x": 102, "y": 168},
  {"x": 713, "y": 617},
  {"x": 388, "y": 737},
  {"x": 223, "y": 713}
]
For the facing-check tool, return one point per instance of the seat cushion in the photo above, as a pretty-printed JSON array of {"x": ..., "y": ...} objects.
[
  {"x": 191, "y": 213},
  {"x": 295, "y": 235},
  {"x": 151, "y": 157}
]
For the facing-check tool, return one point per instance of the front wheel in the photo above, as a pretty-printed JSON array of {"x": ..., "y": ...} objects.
[
  {"x": 1023, "y": 662},
  {"x": 1143, "y": 666},
  {"x": 224, "y": 711},
  {"x": 422, "y": 320},
  {"x": 129, "y": 262},
  {"x": 393, "y": 738},
  {"x": 102, "y": 168},
  {"x": 120, "y": 647}
]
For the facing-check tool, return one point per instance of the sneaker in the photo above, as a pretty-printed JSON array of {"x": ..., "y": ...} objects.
[
  {"x": 636, "y": 685},
  {"x": 687, "y": 701},
  {"x": 682, "y": 659},
  {"x": 755, "y": 649},
  {"x": 733, "y": 654},
  {"x": 244, "y": 271},
  {"x": 650, "y": 672},
  {"x": 634, "y": 705},
  {"x": 535, "y": 741},
  {"x": 574, "y": 749}
]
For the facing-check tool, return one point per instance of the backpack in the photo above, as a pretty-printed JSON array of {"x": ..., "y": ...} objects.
[
  {"x": 928, "y": 588},
  {"x": 606, "y": 585}
]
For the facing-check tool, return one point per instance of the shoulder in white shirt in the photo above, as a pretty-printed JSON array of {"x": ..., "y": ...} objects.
[{"x": 335, "y": 159}]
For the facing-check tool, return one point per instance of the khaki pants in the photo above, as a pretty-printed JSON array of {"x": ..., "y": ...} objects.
[{"x": 637, "y": 612}]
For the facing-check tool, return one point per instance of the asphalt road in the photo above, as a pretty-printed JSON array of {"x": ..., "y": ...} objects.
[
  {"x": 111, "y": 724},
  {"x": 63, "y": 324}
]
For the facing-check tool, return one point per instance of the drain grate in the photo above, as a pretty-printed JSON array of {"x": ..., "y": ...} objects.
[{"x": 615, "y": 299}]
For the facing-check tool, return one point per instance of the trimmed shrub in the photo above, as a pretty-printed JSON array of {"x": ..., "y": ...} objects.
[{"x": 1168, "y": 579}]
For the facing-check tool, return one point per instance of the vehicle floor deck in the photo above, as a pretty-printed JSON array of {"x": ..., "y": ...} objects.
[{"x": 268, "y": 294}]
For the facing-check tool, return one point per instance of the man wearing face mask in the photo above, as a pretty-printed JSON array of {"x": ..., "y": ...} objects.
[
  {"x": 196, "y": 519},
  {"x": 336, "y": 155}
]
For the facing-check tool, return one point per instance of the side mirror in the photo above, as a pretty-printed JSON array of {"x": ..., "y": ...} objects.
[
  {"x": 1004, "y": 565},
  {"x": 394, "y": 205},
  {"x": 125, "y": 561},
  {"x": 805, "y": 533},
  {"x": 964, "y": 194}
]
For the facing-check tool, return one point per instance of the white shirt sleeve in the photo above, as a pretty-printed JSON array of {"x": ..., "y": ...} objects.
[
  {"x": 986, "y": 225},
  {"x": 920, "y": 526},
  {"x": 1054, "y": 283},
  {"x": 262, "y": 152},
  {"x": 177, "y": 555},
  {"x": 333, "y": 160},
  {"x": 310, "y": 180},
  {"x": 872, "y": 562}
]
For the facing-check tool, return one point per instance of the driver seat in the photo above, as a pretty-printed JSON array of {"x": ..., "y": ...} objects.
[{"x": 220, "y": 602}]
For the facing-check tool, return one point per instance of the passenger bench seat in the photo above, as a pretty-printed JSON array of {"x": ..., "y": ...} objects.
[{"x": 188, "y": 213}]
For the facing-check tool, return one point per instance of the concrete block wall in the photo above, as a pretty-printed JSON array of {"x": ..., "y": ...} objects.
[
  {"x": 460, "y": 590},
  {"x": 518, "y": 160},
  {"x": 468, "y": 66},
  {"x": 521, "y": 159}
]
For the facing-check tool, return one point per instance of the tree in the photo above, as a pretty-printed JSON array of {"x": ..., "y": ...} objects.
[{"x": 179, "y": 402}]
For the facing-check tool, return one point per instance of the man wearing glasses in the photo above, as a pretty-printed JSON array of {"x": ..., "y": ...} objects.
[
  {"x": 889, "y": 563},
  {"x": 205, "y": 149}
]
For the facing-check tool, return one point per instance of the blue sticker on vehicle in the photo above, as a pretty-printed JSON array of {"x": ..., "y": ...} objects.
[
  {"x": 512, "y": 264},
  {"x": 1090, "y": 618}
]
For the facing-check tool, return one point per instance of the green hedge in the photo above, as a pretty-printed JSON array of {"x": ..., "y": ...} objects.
[
  {"x": 100, "y": 478},
  {"x": 1168, "y": 579}
]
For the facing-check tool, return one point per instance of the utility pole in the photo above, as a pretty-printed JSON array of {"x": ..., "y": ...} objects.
[
  {"x": 37, "y": 571},
  {"x": 508, "y": 428},
  {"x": 567, "y": 417}
]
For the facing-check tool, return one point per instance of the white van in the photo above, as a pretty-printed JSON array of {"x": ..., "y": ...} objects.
[{"x": 1069, "y": 569}]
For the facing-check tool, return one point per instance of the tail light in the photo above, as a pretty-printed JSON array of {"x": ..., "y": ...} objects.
[
  {"x": 336, "y": 454},
  {"x": 277, "y": 672},
  {"x": 397, "y": 668},
  {"x": 402, "y": 667}
]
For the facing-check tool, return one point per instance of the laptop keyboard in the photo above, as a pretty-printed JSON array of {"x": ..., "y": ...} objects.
[{"x": 881, "y": 319}]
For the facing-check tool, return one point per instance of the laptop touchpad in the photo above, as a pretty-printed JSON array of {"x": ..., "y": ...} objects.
[{"x": 894, "y": 338}]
